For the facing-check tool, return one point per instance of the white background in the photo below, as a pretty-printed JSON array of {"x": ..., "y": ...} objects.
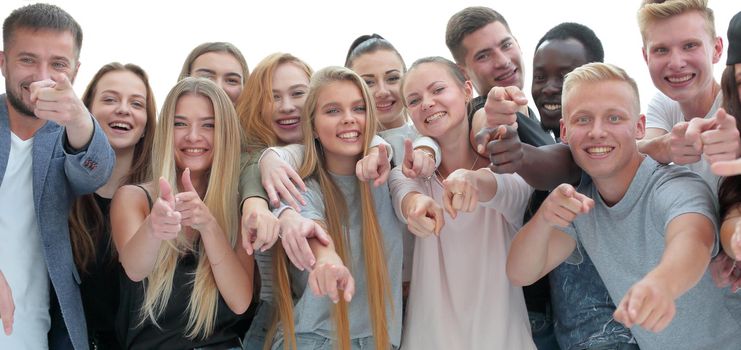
[{"x": 158, "y": 35}]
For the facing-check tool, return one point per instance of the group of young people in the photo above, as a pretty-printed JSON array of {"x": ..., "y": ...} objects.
[{"x": 374, "y": 205}]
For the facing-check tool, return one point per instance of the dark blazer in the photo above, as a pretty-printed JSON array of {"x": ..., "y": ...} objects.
[{"x": 59, "y": 176}]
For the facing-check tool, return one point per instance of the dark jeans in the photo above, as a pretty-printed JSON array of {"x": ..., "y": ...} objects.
[
  {"x": 541, "y": 325},
  {"x": 310, "y": 341},
  {"x": 583, "y": 309},
  {"x": 617, "y": 346},
  {"x": 254, "y": 339}
]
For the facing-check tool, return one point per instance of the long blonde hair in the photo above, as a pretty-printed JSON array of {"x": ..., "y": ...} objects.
[
  {"x": 222, "y": 200},
  {"x": 255, "y": 105},
  {"x": 379, "y": 289}
]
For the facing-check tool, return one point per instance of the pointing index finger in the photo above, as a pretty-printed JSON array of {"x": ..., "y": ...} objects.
[
  {"x": 516, "y": 95},
  {"x": 62, "y": 81}
]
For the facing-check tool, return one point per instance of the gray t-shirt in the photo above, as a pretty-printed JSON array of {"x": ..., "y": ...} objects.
[
  {"x": 626, "y": 241},
  {"x": 313, "y": 313}
]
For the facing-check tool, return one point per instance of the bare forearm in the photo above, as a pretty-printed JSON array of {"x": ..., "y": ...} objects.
[
  {"x": 683, "y": 263},
  {"x": 80, "y": 133},
  {"x": 254, "y": 204},
  {"x": 232, "y": 278},
  {"x": 546, "y": 167},
  {"x": 323, "y": 252},
  {"x": 140, "y": 253},
  {"x": 656, "y": 148},
  {"x": 526, "y": 262},
  {"x": 726, "y": 234}
]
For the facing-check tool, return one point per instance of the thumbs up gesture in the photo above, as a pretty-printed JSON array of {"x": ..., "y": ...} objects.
[
  {"x": 188, "y": 203},
  {"x": 164, "y": 220},
  {"x": 563, "y": 205}
]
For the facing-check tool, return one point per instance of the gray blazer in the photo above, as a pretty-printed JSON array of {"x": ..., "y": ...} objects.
[{"x": 58, "y": 178}]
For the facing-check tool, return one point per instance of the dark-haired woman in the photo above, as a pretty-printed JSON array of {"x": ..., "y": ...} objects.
[
  {"x": 729, "y": 194},
  {"x": 120, "y": 98}
]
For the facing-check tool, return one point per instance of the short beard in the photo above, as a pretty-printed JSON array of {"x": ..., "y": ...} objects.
[{"x": 18, "y": 104}]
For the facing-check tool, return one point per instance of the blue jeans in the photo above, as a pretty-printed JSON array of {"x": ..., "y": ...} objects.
[
  {"x": 583, "y": 309},
  {"x": 616, "y": 346},
  {"x": 541, "y": 325},
  {"x": 254, "y": 339},
  {"x": 311, "y": 341}
]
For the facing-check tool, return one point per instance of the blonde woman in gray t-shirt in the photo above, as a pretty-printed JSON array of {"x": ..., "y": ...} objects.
[{"x": 360, "y": 270}]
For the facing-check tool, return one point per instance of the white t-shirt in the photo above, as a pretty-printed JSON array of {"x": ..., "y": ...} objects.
[
  {"x": 663, "y": 113},
  {"x": 21, "y": 253}
]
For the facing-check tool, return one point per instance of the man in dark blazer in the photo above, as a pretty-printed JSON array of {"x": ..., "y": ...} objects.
[{"x": 51, "y": 151}]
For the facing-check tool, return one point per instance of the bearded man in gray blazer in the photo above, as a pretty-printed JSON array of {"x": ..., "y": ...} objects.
[{"x": 51, "y": 151}]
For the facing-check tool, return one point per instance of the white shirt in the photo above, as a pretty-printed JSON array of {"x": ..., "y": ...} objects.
[
  {"x": 663, "y": 113},
  {"x": 21, "y": 252}
]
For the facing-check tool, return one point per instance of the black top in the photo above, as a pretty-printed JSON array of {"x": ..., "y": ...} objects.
[
  {"x": 99, "y": 287},
  {"x": 174, "y": 319},
  {"x": 537, "y": 295}
]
